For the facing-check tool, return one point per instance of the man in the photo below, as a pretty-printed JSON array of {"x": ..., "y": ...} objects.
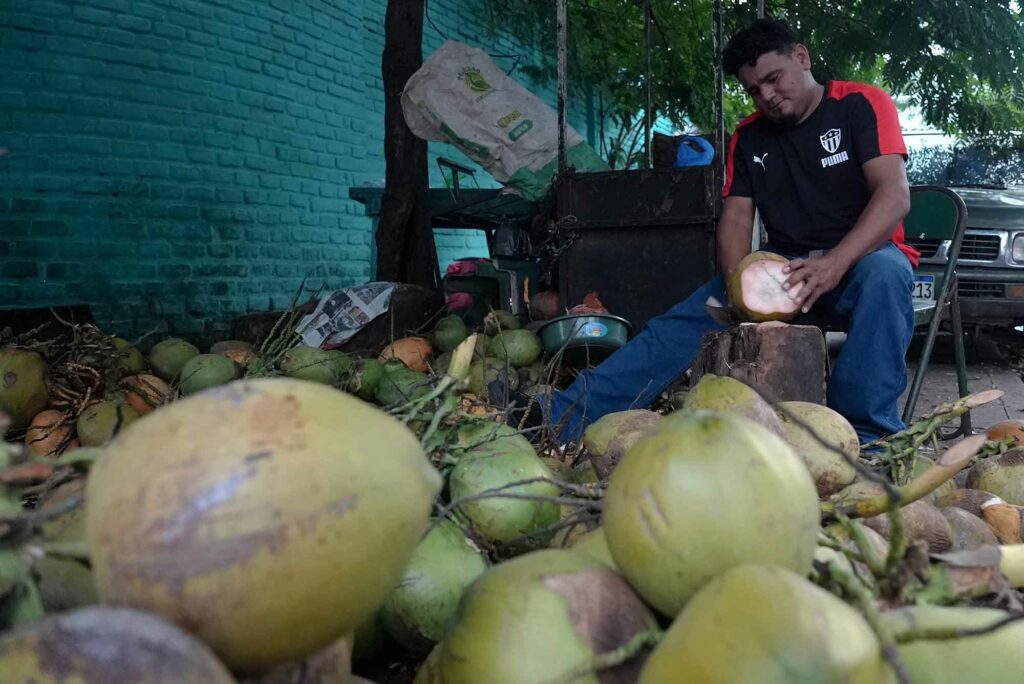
[{"x": 824, "y": 164}]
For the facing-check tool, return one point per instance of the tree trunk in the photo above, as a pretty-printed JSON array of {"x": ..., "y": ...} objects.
[
  {"x": 782, "y": 362},
  {"x": 405, "y": 239}
]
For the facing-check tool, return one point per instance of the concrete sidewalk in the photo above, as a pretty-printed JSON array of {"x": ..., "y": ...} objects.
[{"x": 940, "y": 386}]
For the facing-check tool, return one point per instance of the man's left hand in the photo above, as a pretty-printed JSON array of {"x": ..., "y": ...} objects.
[{"x": 818, "y": 274}]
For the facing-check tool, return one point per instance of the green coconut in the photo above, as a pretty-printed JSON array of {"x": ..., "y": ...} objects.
[
  {"x": 609, "y": 438},
  {"x": 831, "y": 471},
  {"x": 418, "y": 611},
  {"x": 703, "y": 492},
  {"x": 64, "y": 584},
  {"x": 945, "y": 493},
  {"x": 107, "y": 644},
  {"x": 993, "y": 658},
  {"x": 542, "y": 617},
  {"x": 365, "y": 378},
  {"x": 483, "y": 373},
  {"x": 595, "y": 544},
  {"x": 515, "y": 524},
  {"x": 531, "y": 375},
  {"x": 1003, "y": 475},
  {"x": 340, "y": 363},
  {"x": 169, "y": 356},
  {"x": 308, "y": 363},
  {"x": 764, "y": 624},
  {"x": 206, "y": 371},
  {"x": 968, "y": 530},
  {"x": 755, "y": 288},
  {"x": 398, "y": 385},
  {"x": 22, "y": 385},
  {"x": 270, "y": 516},
  {"x": 584, "y": 473},
  {"x": 498, "y": 320},
  {"x": 99, "y": 423},
  {"x": 128, "y": 360},
  {"x": 722, "y": 393},
  {"x": 519, "y": 347},
  {"x": 449, "y": 333}
]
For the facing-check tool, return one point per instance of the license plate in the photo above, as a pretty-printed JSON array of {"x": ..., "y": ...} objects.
[{"x": 924, "y": 287}]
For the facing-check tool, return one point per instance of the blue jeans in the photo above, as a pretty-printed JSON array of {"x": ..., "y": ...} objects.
[{"x": 872, "y": 303}]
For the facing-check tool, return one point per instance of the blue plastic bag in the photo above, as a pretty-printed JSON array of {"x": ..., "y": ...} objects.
[{"x": 694, "y": 151}]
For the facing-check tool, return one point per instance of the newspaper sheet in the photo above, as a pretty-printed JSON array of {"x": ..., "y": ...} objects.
[{"x": 343, "y": 313}]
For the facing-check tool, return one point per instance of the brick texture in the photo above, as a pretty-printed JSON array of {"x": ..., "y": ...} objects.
[{"x": 173, "y": 163}]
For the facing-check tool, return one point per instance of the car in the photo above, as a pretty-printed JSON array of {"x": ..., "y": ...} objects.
[{"x": 990, "y": 268}]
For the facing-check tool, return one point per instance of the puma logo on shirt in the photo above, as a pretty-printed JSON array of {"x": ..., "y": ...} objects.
[{"x": 760, "y": 160}]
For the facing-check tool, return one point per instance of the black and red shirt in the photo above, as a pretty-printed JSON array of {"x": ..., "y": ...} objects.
[{"x": 806, "y": 180}]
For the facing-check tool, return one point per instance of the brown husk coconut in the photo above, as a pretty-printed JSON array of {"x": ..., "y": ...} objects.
[
  {"x": 414, "y": 352},
  {"x": 969, "y": 531},
  {"x": 50, "y": 433},
  {"x": 922, "y": 521}
]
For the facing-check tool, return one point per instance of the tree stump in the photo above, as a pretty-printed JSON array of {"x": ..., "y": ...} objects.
[{"x": 783, "y": 362}]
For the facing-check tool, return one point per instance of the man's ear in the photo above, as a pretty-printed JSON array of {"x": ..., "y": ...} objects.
[{"x": 802, "y": 56}]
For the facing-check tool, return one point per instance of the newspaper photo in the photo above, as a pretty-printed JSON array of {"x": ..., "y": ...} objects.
[{"x": 343, "y": 313}]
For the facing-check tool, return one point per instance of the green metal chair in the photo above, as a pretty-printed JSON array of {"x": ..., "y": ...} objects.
[{"x": 938, "y": 213}]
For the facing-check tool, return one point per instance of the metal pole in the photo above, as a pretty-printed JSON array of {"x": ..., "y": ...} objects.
[
  {"x": 719, "y": 99},
  {"x": 760, "y": 9},
  {"x": 648, "y": 162},
  {"x": 563, "y": 89}
]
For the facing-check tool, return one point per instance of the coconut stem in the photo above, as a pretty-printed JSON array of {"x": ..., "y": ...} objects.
[
  {"x": 864, "y": 600},
  {"x": 609, "y": 659},
  {"x": 919, "y": 633},
  {"x": 868, "y": 555}
]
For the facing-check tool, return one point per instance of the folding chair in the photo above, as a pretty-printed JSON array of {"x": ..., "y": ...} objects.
[{"x": 938, "y": 213}]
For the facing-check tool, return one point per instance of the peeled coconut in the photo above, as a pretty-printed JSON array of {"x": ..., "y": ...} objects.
[
  {"x": 968, "y": 530},
  {"x": 238, "y": 351},
  {"x": 756, "y": 288},
  {"x": 609, "y": 438},
  {"x": 922, "y": 521},
  {"x": 703, "y": 492},
  {"x": 308, "y": 363},
  {"x": 205, "y": 371},
  {"x": 128, "y": 360},
  {"x": 418, "y": 611},
  {"x": 993, "y": 658},
  {"x": 414, "y": 352},
  {"x": 269, "y": 517},
  {"x": 146, "y": 392},
  {"x": 764, "y": 624},
  {"x": 519, "y": 347},
  {"x": 545, "y": 305},
  {"x": 1003, "y": 475},
  {"x": 722, "y": 393},
  {"x": 99, "y": 423},
  {"x": 831, "y": 472},
  {"x": 540, "y": 618},
  {"x": 48, "y": 434},
  {"x": 498, "y": 320},
  {"x": 169, "y": 356},
  {"x": 515, "y": 524},
  {"x": 365, "y": 378},
  {"x": 107, "y": 644},
  {"x": 22, "y": 385},
  {"x": 972, "y": 500},
  {"x": 1005, "y": 429},
  {"x": 449, "y": 333}
]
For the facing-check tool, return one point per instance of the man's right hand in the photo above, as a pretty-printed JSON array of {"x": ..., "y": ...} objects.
[{"x": 735, "y": 233}]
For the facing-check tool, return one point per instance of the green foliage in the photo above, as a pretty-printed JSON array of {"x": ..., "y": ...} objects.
[{"x": 958, "y": 61}]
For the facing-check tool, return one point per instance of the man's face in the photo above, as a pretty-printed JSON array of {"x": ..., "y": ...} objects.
[{"x": 780, "y": 85}]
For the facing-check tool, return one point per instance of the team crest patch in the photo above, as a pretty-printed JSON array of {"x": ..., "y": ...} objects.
[{"x": 831, "y": 139}]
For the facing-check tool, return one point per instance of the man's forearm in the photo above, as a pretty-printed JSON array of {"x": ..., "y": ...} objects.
[
  {"x": 734, "y": 240},
  {"x": 876, "y": 225}
]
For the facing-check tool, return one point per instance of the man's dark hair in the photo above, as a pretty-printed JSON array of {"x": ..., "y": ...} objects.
[{"x": 764, "y": 35}]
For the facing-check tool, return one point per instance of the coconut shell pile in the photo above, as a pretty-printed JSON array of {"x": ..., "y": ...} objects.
[{"x": 281, "y": 513}]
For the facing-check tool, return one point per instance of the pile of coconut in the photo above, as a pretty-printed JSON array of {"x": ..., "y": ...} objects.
[{"x": 289, "y": 514}]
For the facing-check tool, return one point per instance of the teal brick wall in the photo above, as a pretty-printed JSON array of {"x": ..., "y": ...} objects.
[{"x": 173, "y": 163}]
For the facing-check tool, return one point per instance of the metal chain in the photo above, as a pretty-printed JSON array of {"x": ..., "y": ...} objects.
[{"x": 556, "y": 250}]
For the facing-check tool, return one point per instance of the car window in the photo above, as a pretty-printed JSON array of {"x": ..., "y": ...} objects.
[{"x": 959, "y": 165}]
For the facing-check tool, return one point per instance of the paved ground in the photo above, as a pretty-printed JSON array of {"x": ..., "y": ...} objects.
[{"x": 940, "y": 386}]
